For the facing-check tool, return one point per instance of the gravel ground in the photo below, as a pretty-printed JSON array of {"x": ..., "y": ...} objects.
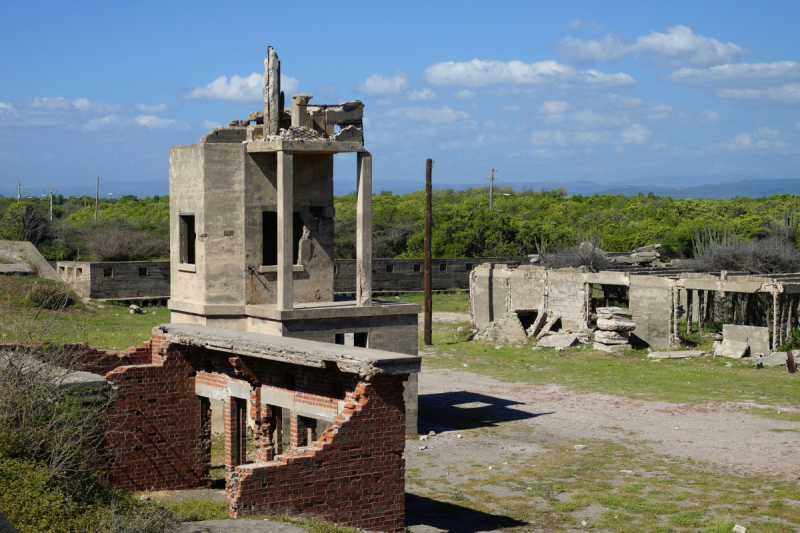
[{"x": 723, "y": 434}]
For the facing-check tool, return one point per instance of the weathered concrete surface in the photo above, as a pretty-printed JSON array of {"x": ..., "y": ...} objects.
[
  {"x": 776, "y": 358},
  {"x": 25, "y": 251},
  {"x": 537, "y": 325},
  {"x": 731, "y": 349},
  {"x": 611, "y": 337},
  {"x": 611, "y": 347},
  {"x": 506, "y": 329},
  {"x": 551, "y": 321},
  {"x": 117, "y": 279},
  {"x": 615, "y": 325},
  {"x": 613, "y": 313},
  {"x": 18, "y": 269},
  {"x": 650, "y": 300},
  {"x": 757, "y": 338},
  {"x": 677, "y": 354},
  {"x": 564, "y": 340},
  {"x": 239, "y": 526},
  {"x": 362, "y": 361}
]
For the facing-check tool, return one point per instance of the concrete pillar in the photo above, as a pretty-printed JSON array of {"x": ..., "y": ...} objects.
[
  {"x": 689, "y": 309},
  {"x": 285, "y": 230},
  {"x": 272, "y": 92},
  {"x": 696, "y": 306},
  {"x": 300, "y": 116},
  {"x": 774, "y": 320},
  {"x": 675, "y": 322},
  {"x": 364, "y": 231}
]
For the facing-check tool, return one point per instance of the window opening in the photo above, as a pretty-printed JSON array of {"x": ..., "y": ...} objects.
[
  {"x": 187, "y": 239},
  {"x": 442, "y": 267},
  {"x": 417, "y": 267},
  {"x": 468, "y": 266},
  {"x": 389, "y": 268},
  {"x": 142, "y": 272},
  {"x": 108, "y": 272},
  {"x": 270, "y": 238},
  {"x": 360, "y": 339}
]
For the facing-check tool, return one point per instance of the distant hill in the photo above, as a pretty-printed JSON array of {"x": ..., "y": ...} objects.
[{"x": 748, "y": 189}]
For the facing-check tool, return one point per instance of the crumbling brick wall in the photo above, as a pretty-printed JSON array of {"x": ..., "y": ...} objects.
[{"x": 354, "y": 475}]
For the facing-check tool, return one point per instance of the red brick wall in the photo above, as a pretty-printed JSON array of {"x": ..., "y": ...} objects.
[
  {"x": 353, "y": 476},
  {"x": 159, "y": 431}
]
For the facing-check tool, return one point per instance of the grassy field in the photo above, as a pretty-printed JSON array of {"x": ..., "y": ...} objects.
[{"x": 105, "y": 326}]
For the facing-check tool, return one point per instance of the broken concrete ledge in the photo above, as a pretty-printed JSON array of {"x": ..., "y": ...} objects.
[{"x": 350, "y": 359}]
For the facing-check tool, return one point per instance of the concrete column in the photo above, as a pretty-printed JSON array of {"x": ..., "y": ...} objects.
[
  {"x": 774, "y": 320},
  {"x": 285, "y": 218},
  {"x": 364, "y": 231}
]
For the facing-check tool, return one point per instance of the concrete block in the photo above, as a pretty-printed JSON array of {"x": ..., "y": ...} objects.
[
  {"x": 677, "y": 354},
  {"x": 559, "y": 341},
  {"x": 612, "y": 348},
  {"x": 347, "y": 113},
  {"x": 538, "y": 322},
  {"x": 18, "y": 269},
  {"x": 731, "y": 349},
  {"x": 548, "y": 325},
  {"x": 610, "y": 313},
  {"x": 350, "y": 134},
  {"x": 776, "y": 359},
  {"x": 615, "y": 325},
  {"x": 611, "y": 337},
  {"x": 757, "y": 338}
]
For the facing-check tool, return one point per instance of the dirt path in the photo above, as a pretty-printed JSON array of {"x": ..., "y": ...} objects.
[{"x": 721, "y": 434}]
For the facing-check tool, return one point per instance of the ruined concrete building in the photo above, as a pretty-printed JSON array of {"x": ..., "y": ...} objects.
[
  {"x": 657, "y": 299},
  {"x": 328, "y": 387}
]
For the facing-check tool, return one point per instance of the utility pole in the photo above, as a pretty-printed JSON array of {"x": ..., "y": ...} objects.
[
  {"x": 428, "y": 337},
  {"x": 19, "y": 192},
  {"x": 118, "y": 195},
  {"x": 491, "y": 188},
  {"x": 51, "y": 203},
  {"x": 96, "y": 199},
  {"x": 84, "y": 197}
]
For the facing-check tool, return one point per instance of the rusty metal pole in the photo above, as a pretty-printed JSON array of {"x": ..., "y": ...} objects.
[{"x": 428, "y": 303}]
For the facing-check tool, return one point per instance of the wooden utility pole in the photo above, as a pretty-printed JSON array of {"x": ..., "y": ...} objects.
[
  {"x": 96, "y": 198},
  {"x": 19, "y": 192},
  {"x": 491, "y": 188},
  {"x": 51, "y": 203},
  {"x": 428, "y": 335}
]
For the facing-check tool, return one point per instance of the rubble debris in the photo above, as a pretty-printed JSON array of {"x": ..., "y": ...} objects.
[
  {"x": 613, "y": 324},
  {"x": 548, "y": 326},
  {"x": 349, "y": 134},
  {"x": 757, "y": 338},
  {"x": 676, "y": 354},
  {"x": 299, "y": 133},
  {"x": 564, "y": 340},
  {"x": 506, "y": 329},
  {"x": 136, "y": 310},
  {"x": 776, "y": 359},
  {"x": 538, "y": 322},
  {"x": 731, "y": 349}
]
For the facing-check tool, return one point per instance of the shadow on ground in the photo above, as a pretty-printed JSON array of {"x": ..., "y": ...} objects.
[
  {"x": 421, "y": 511},
  {"x": 461, "y": 410}
]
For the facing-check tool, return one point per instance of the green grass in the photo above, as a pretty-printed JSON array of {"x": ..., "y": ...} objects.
[
  {"x": 457, "y": 302},
  {"x": 109, "y": 328}
]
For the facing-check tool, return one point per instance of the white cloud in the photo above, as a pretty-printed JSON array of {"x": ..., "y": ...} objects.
[
  {"x": 767, "y": 133},
  {"x": 154, "y": 123},
  {"x": 758, "y": 74},
  {"x": 711, "y": 115},
  {"x": 211, "y": 124},
  {"x": 421, "y": 94},
  {"x": 748, "y": 141},
  {"x": 562, "y": 138},
  {"x": 510, "y": 109},
  {"x": 554, "y": 107},
  {"x": 540, "y": 138},
  {"x": 464, "y": 93},
  {"x": 679, "y": 46},
  {"x": 239, "y": 89},
  {"x": 105, "y": 122},
  {"x": 160, "y": 108},
  {"x": 442, "y": 115},
  {"x": 377, "y": 84},
  {"x": 787, "y": 94},
  {"x": 797, "y": 126},
  {"x": 480, "y": 73},
  {"x": 575, "y": 25},
  {"x": 635, "y": 134}
]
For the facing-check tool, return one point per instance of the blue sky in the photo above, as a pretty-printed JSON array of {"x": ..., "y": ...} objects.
[{"x": 543, "y": 91}]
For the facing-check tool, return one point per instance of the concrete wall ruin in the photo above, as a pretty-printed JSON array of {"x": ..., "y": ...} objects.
[{"x": 117, "y": 279}]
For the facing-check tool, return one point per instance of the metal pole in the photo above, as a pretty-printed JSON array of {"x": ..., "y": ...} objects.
[
  {"x": 428, "y": 340},
  {"x": 491, "y": 188},
  {"x": 19, "y": 192},
  {"x": 96, "y": 198},
  {"x": 51, "y": 203}
]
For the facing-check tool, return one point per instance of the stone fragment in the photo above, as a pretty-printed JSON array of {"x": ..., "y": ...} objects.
[
  {"x": 559, "y": 341},
  {"x": 614, "y": 312},
  {"x": 615, "y": 325},
  {"x": 538, "y": 322},
  {"x": 349, "y": 134},
  {"x": 611, "y": 337},
  {"x": 757, "y": 338},
  {"x": 739, "y": 529},
  {"x": 507, "y": 328},
  {"x": 347, "y": 113},
  {"x": 648, "y": 248},
  {"x": 255, "y": 116},
  {"x": 612, "y": 348},
  {"x": 776, "y": 358},
  {"x": 136, "y": 310},
  {"x": 677, "y": 354},
  {"x": 548, "y": 326},
  {"x": 731, "y": 349},
  {"x": 579, "y": 447}
]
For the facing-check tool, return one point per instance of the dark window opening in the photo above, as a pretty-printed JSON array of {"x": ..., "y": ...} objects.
[
  {"x": 389, "y": 268},
  {"x": 79, "y": 272},
  {"x": 338, "y": 338},
  {"x": 468, "y": 266},
  {"x": 417, "y": 267},
  {"x": 360, "y": 339},
  {"x": 142, "y": 272},
  {"x": 108, "y": 272},
  {"x": 442, "y": 267},
  {"x": 187, "y": 239},
  {"x": 335, "y": 269},
  {"x": 290, "y": 382},
  {"x": 240, "y": 438},
  {"x": 270, "y": 238}
]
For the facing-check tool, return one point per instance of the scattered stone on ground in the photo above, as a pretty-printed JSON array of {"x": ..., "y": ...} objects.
[
  {"x": 506, "y": 329},
  {"x": 612, "y": 348},
  {"x": 136, "y": 310},
  {"x": 677, "y": 354},
  {"x": 731, "y": 349},
  {"x": 775, "y": 359},
  {"x": 548, "y": 326},
  {"x": 564, "y": 340},
  {"x": 538, "y": 322}
]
